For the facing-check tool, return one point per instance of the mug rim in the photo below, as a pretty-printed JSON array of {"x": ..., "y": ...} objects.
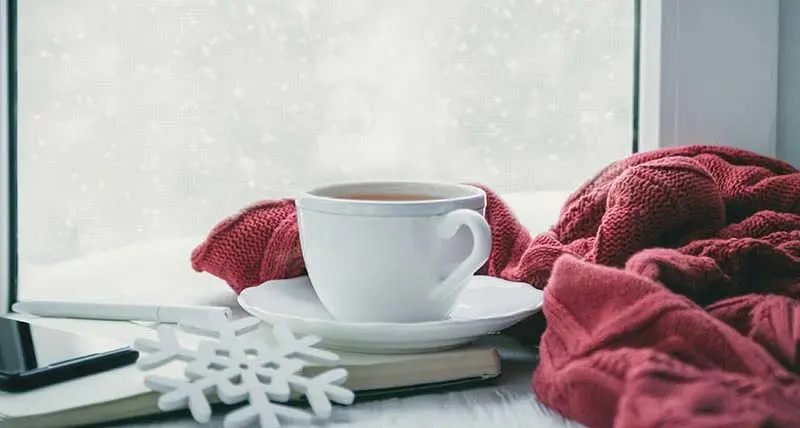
[{"x": 320, "y": 199}]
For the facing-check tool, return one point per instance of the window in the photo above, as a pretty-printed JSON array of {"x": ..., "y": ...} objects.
[{"x": 142, "y": 124}]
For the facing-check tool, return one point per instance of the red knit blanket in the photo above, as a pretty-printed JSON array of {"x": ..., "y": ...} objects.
[{"x": 671, "y": 279}]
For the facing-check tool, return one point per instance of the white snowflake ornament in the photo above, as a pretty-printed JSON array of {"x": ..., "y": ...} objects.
[{"x": 238, "y": 370}]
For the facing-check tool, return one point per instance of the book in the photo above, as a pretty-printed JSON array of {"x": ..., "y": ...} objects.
[{"x": 121, "y": 394}]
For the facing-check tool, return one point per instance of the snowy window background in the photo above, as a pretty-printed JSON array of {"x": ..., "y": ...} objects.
[{"x": 142, "y": 121}]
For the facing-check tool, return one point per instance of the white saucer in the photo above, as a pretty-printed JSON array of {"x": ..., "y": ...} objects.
[{"x": 487, "y": 305}]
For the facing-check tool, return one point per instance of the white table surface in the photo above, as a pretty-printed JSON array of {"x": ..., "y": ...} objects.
[
  {"x": 508, "y": 404},
  {"x": 158, "y": 272}
]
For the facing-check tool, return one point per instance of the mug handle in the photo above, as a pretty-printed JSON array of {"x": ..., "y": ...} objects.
[{"x": 481, "y": 245}]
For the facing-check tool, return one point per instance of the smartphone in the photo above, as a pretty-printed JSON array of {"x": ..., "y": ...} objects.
[{"x": 33, "y": 356}]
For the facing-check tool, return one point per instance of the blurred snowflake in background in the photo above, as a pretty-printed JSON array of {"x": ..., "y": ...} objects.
[{"x": 155, "y": 118}]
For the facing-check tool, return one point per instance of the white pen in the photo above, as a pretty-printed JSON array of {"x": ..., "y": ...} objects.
[{"x": 117, "y": 311}]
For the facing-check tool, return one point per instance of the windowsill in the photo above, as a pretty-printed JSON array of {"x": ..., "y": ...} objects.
[{"x": 160, "y": 272}]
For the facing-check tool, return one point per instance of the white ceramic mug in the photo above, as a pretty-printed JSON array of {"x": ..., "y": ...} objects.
[{"x": 392, "y": 251}]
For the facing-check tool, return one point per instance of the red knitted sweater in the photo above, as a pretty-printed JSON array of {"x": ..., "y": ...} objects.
[{"x": 672, "y": 287}]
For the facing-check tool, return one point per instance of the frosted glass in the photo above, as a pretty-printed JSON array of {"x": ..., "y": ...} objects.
[{"x": 146, "y": 120}]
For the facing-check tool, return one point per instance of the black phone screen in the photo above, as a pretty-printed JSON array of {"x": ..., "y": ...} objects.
[{"x": 26, "y": 347}]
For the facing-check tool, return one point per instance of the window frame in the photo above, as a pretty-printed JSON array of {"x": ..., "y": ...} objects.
[
  {"x": 669, "y": 35},
  {"x": 8, "y": 221},
  {"x": 692, "y": 83}
]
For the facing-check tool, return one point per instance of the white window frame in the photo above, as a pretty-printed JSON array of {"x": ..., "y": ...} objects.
[
  {"x": 708, "y": 74},
  {"x": 704, "y": 77},
  {"x": 5, "y": 173}
]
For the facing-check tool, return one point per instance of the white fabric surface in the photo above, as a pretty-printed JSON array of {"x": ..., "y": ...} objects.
[{"x": 509, "y": 404}]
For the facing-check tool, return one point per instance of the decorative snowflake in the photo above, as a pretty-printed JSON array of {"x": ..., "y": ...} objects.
[{"x": 237, "y": 370}]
